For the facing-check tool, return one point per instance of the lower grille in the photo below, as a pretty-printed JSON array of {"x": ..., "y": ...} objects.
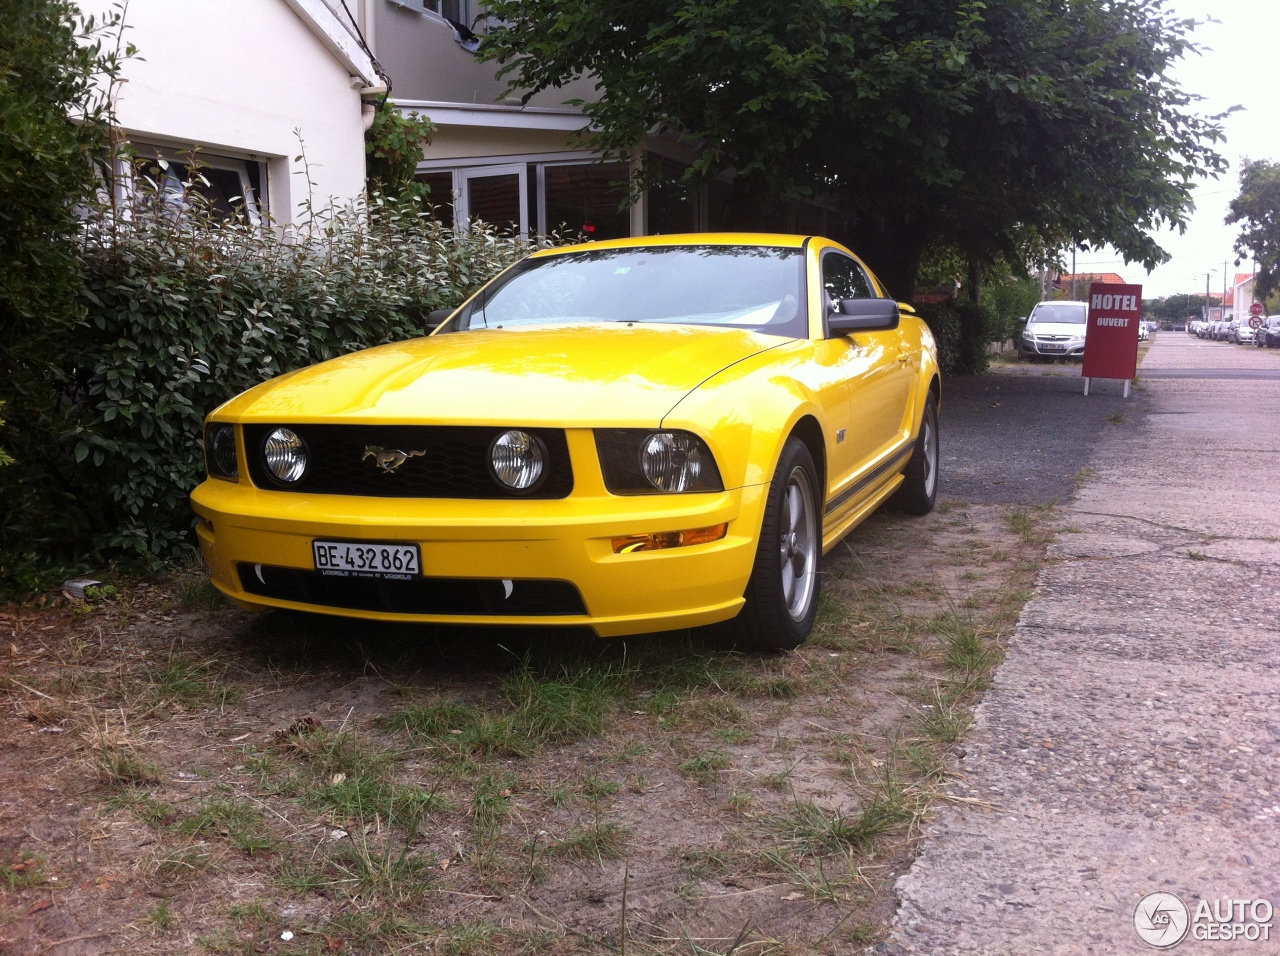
[{"x": 419, "y": 596}]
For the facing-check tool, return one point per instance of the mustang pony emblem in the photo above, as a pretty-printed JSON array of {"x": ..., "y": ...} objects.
[{"x": 389, "y": 459}]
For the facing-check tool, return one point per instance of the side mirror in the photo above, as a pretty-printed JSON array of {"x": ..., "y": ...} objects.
[
  {"x": 863, "y": 315},
  {"x": 436, "y": 318},
  {"x": 1023, "y": 320}
]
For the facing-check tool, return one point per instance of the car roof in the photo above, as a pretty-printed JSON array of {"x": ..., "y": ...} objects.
[{"x": 776, "y": 240}]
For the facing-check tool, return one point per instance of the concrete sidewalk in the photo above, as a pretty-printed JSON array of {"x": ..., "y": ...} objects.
[{"x": 1130, "y": 742}]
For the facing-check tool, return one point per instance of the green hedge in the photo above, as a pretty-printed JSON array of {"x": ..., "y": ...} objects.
[
  {"x": 963, "y": 331},
  {"x": 184, "y": 312}
]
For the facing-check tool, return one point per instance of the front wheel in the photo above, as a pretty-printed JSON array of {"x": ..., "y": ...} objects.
[
  {"x": 919, "y": 491},
  {"x": 782, "y": 594}
]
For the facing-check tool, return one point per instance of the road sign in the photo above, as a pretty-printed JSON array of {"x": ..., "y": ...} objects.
[
  {"x": 1255, "y": 322},
  {"x": 1255, "y": 309}
]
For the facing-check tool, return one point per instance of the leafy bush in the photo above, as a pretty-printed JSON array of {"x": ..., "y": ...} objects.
[
  {"x": 962, "y": 330},
  {"x": 184, "y": 312},
  {"x": 393, "y": 146}
]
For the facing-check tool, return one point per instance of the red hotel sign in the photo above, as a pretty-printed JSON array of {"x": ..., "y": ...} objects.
[{"x": 1111, "y": 337}]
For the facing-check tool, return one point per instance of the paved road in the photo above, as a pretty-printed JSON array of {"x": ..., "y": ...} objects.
[
  {"x": 1131, "y": 740},
  {"x": 1020, "y": 435}
]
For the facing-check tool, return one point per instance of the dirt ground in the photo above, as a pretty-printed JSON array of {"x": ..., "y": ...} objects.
[{"x": 177, "y": 776}]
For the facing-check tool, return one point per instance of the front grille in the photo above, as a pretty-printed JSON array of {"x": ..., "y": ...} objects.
[
  {"x": 419, "y": 596},
  {"x": 454, "y": 462}
]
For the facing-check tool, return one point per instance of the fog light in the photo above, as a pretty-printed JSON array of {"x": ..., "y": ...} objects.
[{"x": 661, "y": 540}]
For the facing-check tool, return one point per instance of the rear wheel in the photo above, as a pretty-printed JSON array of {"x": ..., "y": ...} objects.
[
  {"x": 782, "y": 594},
  {"x": 919, "y": 491}
]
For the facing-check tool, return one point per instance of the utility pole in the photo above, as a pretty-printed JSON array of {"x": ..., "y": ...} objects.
[
  {"x": 1206, "y": 294},
  {"x": 1224, "y": 290}
]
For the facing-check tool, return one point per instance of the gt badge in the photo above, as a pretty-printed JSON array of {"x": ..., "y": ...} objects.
[{"x": 389, "y": 459}]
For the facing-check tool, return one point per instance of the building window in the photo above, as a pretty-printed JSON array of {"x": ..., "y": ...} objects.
[
  {"x": 228, "y": 188},
  {"x": 440, "y": 199},
  {"x": 587, "y": 199}
]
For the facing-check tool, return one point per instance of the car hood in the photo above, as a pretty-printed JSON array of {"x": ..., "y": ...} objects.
[
  {"x": 548, "y": 376},
  {"x": 1056, "y": 328}
]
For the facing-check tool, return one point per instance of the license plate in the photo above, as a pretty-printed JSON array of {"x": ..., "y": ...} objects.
[
  {"x": 360, "y": 559},
  {"x": 1053, "y": 348}
]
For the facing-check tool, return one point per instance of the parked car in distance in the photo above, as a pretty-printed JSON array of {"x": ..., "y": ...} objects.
[
  {"x": 1268, "y": 335},
  {"x": 631, "y": 436},
  {"x": 1241, "y": 332},
  {"x": 1055, "y": 330}
]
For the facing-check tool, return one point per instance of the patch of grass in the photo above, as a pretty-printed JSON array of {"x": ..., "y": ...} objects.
[
  {"x": 240, "y": 823},
  {"x": 118, "y": 765},
  {"x": 143, "y": 806},
  {"x": 387, "y": 868},
  {"x": 965, "y": 644},
  {"x": 1197, "y": 555},
  {"x": 176, "y": 866},
  {"x": 820, "y": 886},
  {"x": 809, "y": 829},
  {"x": 490, "y": 806},
  {"x": 161, "y": 918},
  {"x": 363, "y": 796},
  {"x": 25, "y": 872},
  {"x": 199, "y": 596},
  {"x": 1115, "y": 418},
  {"x": 943, "y": 719},
  {"x": 432, "y": 721},
  {"x": 705, "y": 768},
  {"x": 597, "y": 788},
  {"x": 601, "y": 840}
]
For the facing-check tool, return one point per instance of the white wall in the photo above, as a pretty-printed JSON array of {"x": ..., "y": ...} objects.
[{"x": 237, "y": 77}]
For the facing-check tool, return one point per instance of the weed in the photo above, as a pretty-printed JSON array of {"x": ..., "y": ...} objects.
[
  {"x": 1115, "y": 418},
  {"x": 161, "y": 918},
  {"x": 1197, "y": 555}
]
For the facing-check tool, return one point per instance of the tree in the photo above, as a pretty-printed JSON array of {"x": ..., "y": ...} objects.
[
  {"x": 925, "y": 120},
  {"x": 55, "y": 150},
  {"x": 1257, "y": 208}
]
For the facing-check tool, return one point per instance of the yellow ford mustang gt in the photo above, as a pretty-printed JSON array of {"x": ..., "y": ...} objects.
[{"x": 635, "y": 436}]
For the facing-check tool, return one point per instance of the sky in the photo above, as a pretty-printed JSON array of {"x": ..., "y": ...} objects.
[{"x": 1234, "y": 69}]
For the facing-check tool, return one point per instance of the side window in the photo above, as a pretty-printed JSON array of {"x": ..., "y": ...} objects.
[{"x": 842, "y": 278}]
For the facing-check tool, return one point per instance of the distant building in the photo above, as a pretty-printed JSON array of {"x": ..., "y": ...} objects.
[{"x": 1075, "y": 286}]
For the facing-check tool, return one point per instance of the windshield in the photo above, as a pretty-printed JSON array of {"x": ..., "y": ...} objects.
[
  {"x": 753, "y": 287},
  {"x": 1073, "y": 312}
]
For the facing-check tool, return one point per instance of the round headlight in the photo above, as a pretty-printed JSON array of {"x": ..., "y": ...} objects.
[
  {"x": 222, "y": 451},
  {"x": 285, "y": 455},
  {"x": 672, "y": 461},
  {"x": 517, "y": 459}
]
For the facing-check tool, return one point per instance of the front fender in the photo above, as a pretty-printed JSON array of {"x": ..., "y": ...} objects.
[{"x": 746, "y": 412}]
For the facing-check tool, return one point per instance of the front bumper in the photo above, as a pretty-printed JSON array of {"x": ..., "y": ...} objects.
[
  {"x": 477, "y": 555},
  {"x": 1065, "y": 349}
]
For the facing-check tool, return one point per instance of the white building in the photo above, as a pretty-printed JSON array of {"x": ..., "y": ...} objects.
[
  {"x": 523, "y": 166},
  {"x": 251, "y": 85}
]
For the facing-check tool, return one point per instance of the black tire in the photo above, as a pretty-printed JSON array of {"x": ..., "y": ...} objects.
[
  {"x": 919, "y": 492},
  {"x": 782, "y": 594}
]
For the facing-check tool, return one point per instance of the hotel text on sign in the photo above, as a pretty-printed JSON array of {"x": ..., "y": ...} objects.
[{"x": 1111, "y": 337}]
